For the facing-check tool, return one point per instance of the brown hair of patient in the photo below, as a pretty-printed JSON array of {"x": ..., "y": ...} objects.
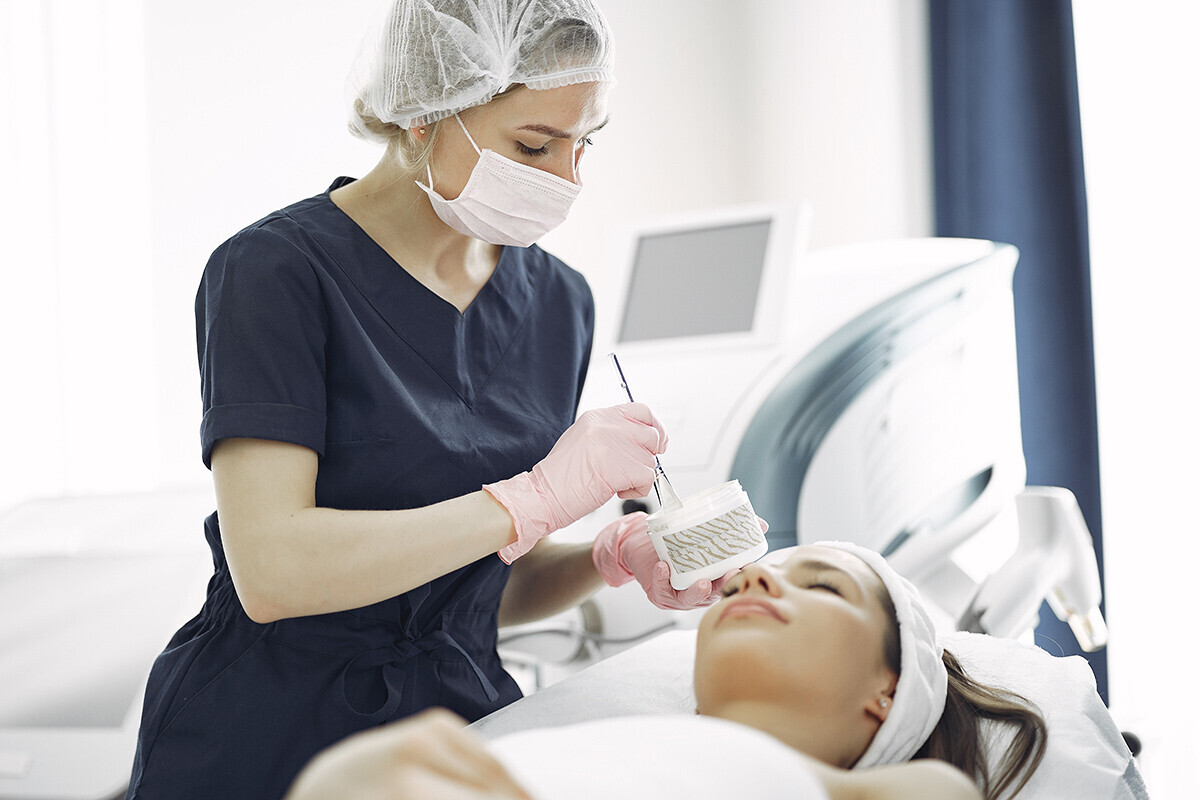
[{"x": 957, "y": 738}]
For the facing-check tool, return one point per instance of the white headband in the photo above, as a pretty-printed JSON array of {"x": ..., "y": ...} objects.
[{"x": 920, "y": 693}]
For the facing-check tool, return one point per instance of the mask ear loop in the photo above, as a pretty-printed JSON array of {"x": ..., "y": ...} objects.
[
  {"x": 468, "y": 133},
  {"x": 429, "y": 172}
]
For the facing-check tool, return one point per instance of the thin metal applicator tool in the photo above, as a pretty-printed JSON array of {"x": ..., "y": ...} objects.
[{"x": 667, "y": 489}]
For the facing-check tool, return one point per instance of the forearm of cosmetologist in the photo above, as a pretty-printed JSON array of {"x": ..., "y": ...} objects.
[{"x": 277, "y": 539}]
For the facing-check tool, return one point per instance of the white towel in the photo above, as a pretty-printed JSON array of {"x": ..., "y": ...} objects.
[
  {"x": 920, "y": 693},
  {"x": 656, "y": 757}
]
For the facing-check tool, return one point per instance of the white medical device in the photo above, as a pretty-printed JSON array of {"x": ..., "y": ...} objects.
[
  {"x": 865, "y": 392},
  {"x": 91, "y": 590},
  {"x": 703, "y": 316}
]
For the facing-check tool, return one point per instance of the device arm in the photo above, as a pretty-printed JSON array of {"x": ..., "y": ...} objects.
[{"x": 1056, "y": 560}]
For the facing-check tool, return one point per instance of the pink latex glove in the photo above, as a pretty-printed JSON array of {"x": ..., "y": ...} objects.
[
  {"x": 607, "y": 451},
  {"x": 623, "y": 551}
]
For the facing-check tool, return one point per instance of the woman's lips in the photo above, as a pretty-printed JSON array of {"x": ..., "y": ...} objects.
[{"x": 750, "y": 606}]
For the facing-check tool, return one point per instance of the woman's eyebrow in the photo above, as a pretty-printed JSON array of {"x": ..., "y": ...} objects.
[{"x": 555, "y": 133}]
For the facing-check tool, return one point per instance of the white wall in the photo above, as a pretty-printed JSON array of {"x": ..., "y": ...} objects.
[
  {"x": 1137, "y": 81},
  {"x": 77, "y": 278}
]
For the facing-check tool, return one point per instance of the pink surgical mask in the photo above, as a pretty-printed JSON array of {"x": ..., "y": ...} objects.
[{"x": 504, "y": 202}]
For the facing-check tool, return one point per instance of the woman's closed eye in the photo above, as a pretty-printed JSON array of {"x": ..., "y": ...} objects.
[
  {"x": 525, "y": 149},
  {"x": 829, "y": 587}
]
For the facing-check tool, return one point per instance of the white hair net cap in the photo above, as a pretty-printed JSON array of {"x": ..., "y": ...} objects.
[{"x": 435, "y": 58}]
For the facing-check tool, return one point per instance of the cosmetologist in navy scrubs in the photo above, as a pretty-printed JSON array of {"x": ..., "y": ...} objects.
[{"x": 308, "y": 332}]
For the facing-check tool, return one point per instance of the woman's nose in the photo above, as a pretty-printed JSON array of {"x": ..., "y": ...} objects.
[
  {"x": 753, "y": 577},
  {"x": 567, "y": 169}
]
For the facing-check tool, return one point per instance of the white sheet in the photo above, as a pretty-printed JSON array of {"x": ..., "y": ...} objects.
[
  {"x": 655, "y": 757},
  {"x": 1086, "y": 756},
  {"x": 655, "y": 677}
]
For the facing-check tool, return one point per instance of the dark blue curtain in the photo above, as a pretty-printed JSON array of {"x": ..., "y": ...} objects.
[{"x": 1008, "y": 164}]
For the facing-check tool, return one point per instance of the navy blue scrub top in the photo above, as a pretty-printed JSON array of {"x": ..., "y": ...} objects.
[{"x": 308, "y": 332}]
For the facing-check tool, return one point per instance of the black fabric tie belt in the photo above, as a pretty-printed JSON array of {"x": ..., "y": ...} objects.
[{"x": 390, "y": 662}]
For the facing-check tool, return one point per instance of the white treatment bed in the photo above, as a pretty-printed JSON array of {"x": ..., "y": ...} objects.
[
  {"x": 1086, "y": 755},
  {"x": 91, "y": 588}
]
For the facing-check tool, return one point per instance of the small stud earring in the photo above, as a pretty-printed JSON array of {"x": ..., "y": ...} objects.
[
  {"x": 422, "y": 131},
  {"x": 884, "y": 702}
]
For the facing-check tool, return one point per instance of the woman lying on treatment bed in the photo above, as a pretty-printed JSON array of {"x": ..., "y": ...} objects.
[{"x": 803, "y": 671}]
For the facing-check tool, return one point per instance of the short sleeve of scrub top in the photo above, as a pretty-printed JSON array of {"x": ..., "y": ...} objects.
[{"x": 262, "y": 347}]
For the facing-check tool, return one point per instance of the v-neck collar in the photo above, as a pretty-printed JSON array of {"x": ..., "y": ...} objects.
[{"x": 465, "y": 348}]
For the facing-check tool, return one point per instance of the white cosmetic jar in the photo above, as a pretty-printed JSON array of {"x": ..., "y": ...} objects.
[{"x": 714, "y": 532}]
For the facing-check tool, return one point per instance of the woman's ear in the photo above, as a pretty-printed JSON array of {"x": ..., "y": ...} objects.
[
  {"x": 880, "y": 708},
  {"x": 880, "y": 703}
]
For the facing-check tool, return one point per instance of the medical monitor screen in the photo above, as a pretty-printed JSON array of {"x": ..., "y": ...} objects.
[{"x": 696, "y": 282}]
